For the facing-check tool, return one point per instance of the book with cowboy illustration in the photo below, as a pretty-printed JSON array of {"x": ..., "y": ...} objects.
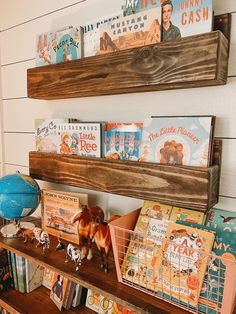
[
  {"x": 58, "y": 210},
  {"x": 183, "y": 261},
  {"x": 186, "y": 140},
  {"x": 179, "y": 19},
  {"x": 131, "y": 31}
]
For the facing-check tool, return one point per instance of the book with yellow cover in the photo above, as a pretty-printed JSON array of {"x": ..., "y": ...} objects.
[
  {"x": 187, "y": 215},
  {"x": 181, "y": 268}
]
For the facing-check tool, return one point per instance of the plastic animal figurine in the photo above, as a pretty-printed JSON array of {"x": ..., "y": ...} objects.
[
  {"x": 26, "y": 233},
  {"x": 83, "y": 218},
  {"x": 43, "y": 239},
  {"x": 100, "y": 232},
  {"x": 72, "y": 253}
]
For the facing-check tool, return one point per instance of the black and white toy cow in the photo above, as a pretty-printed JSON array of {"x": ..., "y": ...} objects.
[{"x": 72, "y": 253}]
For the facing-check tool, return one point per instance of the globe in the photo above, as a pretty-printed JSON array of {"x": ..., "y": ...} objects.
[{"x": 19, "y": 196}]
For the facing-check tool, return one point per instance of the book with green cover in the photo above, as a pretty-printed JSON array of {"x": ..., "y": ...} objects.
[
  {"x": 221, "y": 220},
  {"x": 14, "y": 271},
  {"x": 21, "y": 273}
]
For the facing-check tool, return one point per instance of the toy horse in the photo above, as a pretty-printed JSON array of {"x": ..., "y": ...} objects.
[
  {"x": 84, "y": 216},
  {"x": 99, "y": 231},
  {"x": 25, "y": 233},
  {"x": 43, "y": 239},
  {"x": 73, "y": 253}
]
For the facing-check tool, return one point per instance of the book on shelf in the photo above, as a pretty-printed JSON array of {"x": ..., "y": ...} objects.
[
  {"x": 93, "y": 300},
  {"x": 78, "y": 297},
  {"x": 221, "y": 220},
  {"x": 6, "y": 280},
  {"x": 58, "y": 291},
  {"x": 14, "y": 270},
  {"x": 34, "y": 275},
  {"x": 178, "y": 18},
  {"x": 180, "y": 270},
  {"x": 188, "y": 215},
  {"x": 58, "y": 208},
  {"x": 48, "y": 276},
  {"x": 131, "y": 31},
  {"x": 83, "y": 139},
  {"x": 21, "y": 273},
  {"x": 69, "y": 295},
  {"x": 92, "y": 33},
  {"x": 186, "y": 140}
]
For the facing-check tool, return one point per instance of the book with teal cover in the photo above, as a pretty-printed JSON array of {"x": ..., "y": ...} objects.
[
  {"x": 224, "y": 246},
  {"x": 21, "y": 273},
  {"x": 221, "y": 220},
  {"x": 14, "y": 271}
]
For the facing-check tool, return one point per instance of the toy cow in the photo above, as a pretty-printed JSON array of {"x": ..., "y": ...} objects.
[
  {"x": 73, "y": 253},
  {"x": 43, "y": 239}
]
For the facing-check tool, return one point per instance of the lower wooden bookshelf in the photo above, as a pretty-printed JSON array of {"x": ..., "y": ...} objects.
[
  {"x": 90, "y": 275},
  {"x": 38, "y": 301}
]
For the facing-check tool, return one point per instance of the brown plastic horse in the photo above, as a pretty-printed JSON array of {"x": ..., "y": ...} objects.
[
  {"x": 100, "y": 232},
  {"x": 84, "y": 217}
]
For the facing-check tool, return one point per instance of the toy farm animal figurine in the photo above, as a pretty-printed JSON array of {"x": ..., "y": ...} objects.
[
  {"x": 100, "y": 232},
  {"x": 26, "y": 233},
  {"x": 73, "y": 253},
  {"x": 43, "y": 239},
  {"x": 83, "y": 218}
]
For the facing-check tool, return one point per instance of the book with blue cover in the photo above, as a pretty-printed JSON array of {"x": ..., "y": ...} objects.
[{"x": 186, "y": 140}]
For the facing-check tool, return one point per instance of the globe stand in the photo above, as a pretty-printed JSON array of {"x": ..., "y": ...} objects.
[{"x": 10, "y": 230}]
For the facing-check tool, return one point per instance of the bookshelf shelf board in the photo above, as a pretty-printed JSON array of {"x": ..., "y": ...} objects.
[
  {"x": 194, "y": 61},
  {"x": 37, "y": 301},
  {"x": 91, "y": 276},
  {"x": 187, "y": 187}
]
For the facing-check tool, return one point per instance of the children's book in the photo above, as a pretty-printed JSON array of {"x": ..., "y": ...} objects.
[
  {"x": 58, "y": 291},
  {"x": 93, "y": 300},
  {"x": 131, "y": 31},
  {"x": 183, "y": 140},
  {"x": 34, "y": 275},
  {"x": 92, "y": 33},
  {"x": 179, "y": 18},
  {"x": 48, "y": 276},
  {"x": 6, "y": 280},
  {"x": 58, "y": 210},
  {"x": 83, "y": 139},
  {"x": 182, "y": 264},
  {"x": 221, "y": 220},
  {"x": 188, "y": 215},
  {"x": 21, "y": 273}
]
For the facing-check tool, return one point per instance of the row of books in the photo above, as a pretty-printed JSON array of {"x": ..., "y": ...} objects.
[
  {"x": 4, "y": 311},
  {"x": 178, "y": 255},
  {"x": 139, "y": 23},
  {"x": 182, "y": 140}
]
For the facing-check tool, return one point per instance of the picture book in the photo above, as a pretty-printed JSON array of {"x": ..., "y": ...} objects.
[
  {"x": 44, "y": 52},
  {"x": 187, "y": 215},
  {"x": 48, "y": 276},
  {"x": 58, "y": 209},
  {"x": 221, "y": 220},
  {"x": 34, "y": 275},
  {"x": 131, "y": 31},
  {"x": 21, "y": 273},
  {"x": 46, "y": 134},
  {"x": 93, "y": 300},
  {"x": 179, "y": 18},
  {"x": 178, "y": 140},
  {"x": 182, "y": 265},
  {"x": 224, "y": 249},
  {"x": 6, "y": 280},
  {"x": 92, "y": 33},
  {"x": 83, "y": 139},
  {"x": 58, "y": 291}
]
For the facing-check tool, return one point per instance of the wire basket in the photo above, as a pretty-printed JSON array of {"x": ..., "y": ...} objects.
[{"x": 215, "y": 294}]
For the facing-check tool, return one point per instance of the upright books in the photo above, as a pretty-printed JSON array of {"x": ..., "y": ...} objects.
[{"x": 178, "y": 140}]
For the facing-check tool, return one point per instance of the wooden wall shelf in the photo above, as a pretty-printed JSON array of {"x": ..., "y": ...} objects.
[
  {"x": 195, "y": 61},
  {"x": 187, "y": 187}
]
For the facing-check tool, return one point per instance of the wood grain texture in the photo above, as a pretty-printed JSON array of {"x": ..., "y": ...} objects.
[
  {"x": 188, "y": 187},
  {"x": 91, "y": 276},
  {"x": 195, "y": 61}
]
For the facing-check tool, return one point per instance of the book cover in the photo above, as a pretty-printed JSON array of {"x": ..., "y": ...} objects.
[
  {"x": 46, "y": 137},
  {"x": 58, "y": 209},
  {"x": 178, "y": 140},
  {"x": 92, "y": 33},
  {"x": 179, "y": 18},
  {"x": 14, "y": 271},
  {"x": 44, "y": 52},
  {"x": 106, "y": 306},
  {"x": 221, "y": 220},
  {"x": 21, "y": 273},
  {"x": 34, "y": 275},
  {"x": 182, "y": 265},
  {"x": 6, "y": 280},
  {"x": 188, "y": 215},
  {"x": 83, "y": 139},
  {"x": 67, "y": 302},
  {"x": 77, "y": 296},
  {"x": 131, "y": 31},
  {"x": 58, "y": 291},
  {"x": 48, "y": 276},
  {"x": 93, "y": 300}
]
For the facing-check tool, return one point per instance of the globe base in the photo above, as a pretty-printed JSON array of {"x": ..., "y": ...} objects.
[{"x": 10, "y": 230}]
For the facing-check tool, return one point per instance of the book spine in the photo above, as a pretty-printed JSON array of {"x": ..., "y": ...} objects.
[
  {"x": 67, "y": 293},
  {"x": 14, "y": 270},
  {"x": 77, "y": 297},
  {"x": 10, "y": 268},
  {"x": 71, "y": 296},
  {"x": 20, "y": 266}
]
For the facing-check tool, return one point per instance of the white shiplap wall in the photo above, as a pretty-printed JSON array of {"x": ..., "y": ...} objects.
[{"x": 20, "y": 21}]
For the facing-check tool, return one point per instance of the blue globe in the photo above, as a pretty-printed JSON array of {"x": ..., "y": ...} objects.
[{"x": 19, "y": 196}]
